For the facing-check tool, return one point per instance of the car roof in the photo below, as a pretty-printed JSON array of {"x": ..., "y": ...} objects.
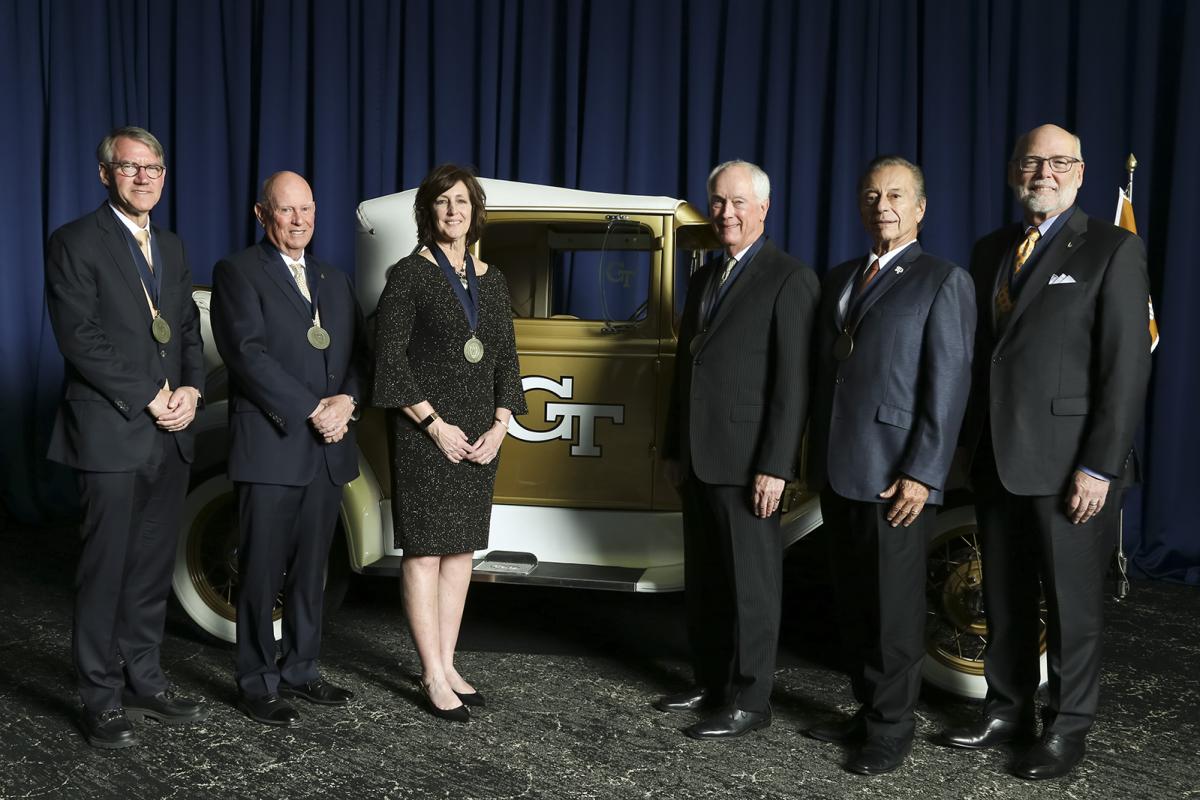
[
  {"x": 505, "y": 195},
  {"x": 388, "y": 233}
]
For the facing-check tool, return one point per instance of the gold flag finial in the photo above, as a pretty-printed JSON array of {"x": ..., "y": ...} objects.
[{"x": 1131, "y": 163}]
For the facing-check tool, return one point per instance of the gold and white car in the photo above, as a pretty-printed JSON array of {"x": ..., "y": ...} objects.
[{"x": 597, "y": 283}]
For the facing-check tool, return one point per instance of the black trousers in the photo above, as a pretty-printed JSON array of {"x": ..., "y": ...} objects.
[
  {"x": 1030, "y": 546},
  {"x": 285, "y": 536},
  {"x": 130, "y": 530},
  {"x": 879, "y": 576},
  {"x": 733, "y": 570}
]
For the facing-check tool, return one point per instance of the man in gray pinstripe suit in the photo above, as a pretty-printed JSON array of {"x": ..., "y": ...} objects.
[{"x": 739, "y": 401}]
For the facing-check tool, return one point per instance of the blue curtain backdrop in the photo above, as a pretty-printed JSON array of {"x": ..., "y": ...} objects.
[{"x": 640, "y": 96}]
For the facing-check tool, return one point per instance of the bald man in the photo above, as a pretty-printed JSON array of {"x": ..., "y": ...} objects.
[
  {"x": 289, "y": 330},
  {"x": 1062, "y": 360}
]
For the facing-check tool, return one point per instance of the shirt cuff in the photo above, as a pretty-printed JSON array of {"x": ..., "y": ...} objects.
[{"x": 1100, "y": 476}]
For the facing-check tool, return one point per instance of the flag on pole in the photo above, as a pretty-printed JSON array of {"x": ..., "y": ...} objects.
[{"x": 1124, "y": 219}]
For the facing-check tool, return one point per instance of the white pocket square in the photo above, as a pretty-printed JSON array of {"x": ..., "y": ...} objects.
[{"x": 1064, "y": 278}]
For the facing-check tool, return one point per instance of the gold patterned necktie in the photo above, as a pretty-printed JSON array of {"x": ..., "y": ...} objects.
[
  {"x": 301, "y": 282},
  {"x": 143, "y": 240},
  {"x": 1004, "y": 303}
]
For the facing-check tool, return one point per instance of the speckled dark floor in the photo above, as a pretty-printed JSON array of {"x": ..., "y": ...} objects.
[{"x": 569, "y": 676}]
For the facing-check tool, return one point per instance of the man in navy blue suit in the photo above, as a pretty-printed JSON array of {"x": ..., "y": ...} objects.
[
  {"x": 289, "y": 330},
  {"x": 894, "y": 339},
  {"x": 119, "y": 294}
]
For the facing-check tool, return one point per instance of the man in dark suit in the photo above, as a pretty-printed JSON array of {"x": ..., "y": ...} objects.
[
  {"x": 893, "y": 365},
  {"x": 289, "y": 330},
  {"x": 1062, "y": 363},
  {"x": 738, "y": 405},
  {"x": 119, "y": 294}
]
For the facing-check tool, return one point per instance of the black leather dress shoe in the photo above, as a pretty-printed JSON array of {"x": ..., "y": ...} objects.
[
  {"x": 472, "y": 699},
  {"x": 879, "y": 754},
  {"x": 843, "y": 731},
  {"x": 1054, "y": 756},
  {"x": 692, "y": 699},
  {"x": 109, "y": 729},
  {"x": 320, "y": 691},
  {"x": 166, "y": 707},
  {"x": 727, "y": 724},
  {"x": 270, "y": 709},
  {"x": 986, "y": 732}
]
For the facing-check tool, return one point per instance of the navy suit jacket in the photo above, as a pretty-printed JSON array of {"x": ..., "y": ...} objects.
[
  {"x": 276, "y": 378},
  {"x": 114, "y": 367},
  {"x": 894, "y": 407},
  {"x": 740, "y": 401},
  {"x": 1064, "y": 383}
]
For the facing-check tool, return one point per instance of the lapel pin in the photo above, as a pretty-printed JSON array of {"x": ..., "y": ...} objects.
[
  {"x": 1070, "y": 245},
  {"x": 899, "y": 270}
]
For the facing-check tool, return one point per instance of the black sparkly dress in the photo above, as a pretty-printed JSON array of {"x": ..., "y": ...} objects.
[{"x": 438, "y": 507}]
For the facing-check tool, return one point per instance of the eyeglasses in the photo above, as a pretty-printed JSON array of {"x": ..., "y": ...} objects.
[
  {"x": 130, "y": 169},
  {"x": 1057, "y": 163}
]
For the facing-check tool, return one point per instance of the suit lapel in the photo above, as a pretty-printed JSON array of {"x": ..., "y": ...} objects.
[
  {"x": 118, "y": 250},
  {"x": 740, "y": 286},
  {"x": 272, "y": 263},
  {"x": 996, "y": 268},
  {"x": 883, "y": 284},
  {"x": 854, "y": 271},
  {"x": 1064, "y": 245}
]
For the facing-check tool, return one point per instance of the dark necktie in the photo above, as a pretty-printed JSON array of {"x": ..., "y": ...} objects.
[{"x": 730, "y": 263}]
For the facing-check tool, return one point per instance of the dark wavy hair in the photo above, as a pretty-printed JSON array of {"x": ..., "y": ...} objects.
[{"x": 440, "y": 179}]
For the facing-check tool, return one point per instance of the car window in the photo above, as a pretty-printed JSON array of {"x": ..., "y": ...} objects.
[
  {"x": 693, "y": 246},
  {"x": 573, "y": 270}
]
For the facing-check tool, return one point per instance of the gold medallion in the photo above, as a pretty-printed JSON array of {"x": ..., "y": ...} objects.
[
  {"x": 844, "y": 346},
  {"x": 160, "y": 330},
  {"x": 318, "y": 337}
]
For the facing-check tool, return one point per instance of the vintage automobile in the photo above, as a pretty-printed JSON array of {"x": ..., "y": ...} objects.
[{"x": 597, "y": 284}]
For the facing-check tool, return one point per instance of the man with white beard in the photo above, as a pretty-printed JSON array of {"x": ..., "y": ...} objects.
[{"x": 1062, "y": 360}]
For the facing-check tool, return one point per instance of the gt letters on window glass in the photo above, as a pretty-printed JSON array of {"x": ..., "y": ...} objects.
[{"x": 573, "y": 270}]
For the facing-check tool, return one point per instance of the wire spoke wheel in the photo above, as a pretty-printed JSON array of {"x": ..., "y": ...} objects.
[
  {"x": 206, "y": 563},
  {"x": 956, "y": 633}
]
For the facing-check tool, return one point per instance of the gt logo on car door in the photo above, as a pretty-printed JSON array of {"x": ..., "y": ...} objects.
[{"x": 565, "y": 415}]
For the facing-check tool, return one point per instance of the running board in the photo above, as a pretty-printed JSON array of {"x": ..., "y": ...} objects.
[{"x": 511, "y": 567}]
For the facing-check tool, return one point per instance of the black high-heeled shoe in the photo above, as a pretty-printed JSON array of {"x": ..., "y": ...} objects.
[
  {"x": 456, "y": 714},
  {"x": 472, "y": 699}
]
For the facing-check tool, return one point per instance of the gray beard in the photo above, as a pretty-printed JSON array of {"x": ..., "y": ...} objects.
[{"x": 1036, "y": 203}]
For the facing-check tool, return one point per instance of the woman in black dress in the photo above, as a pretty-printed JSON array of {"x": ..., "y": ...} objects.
[{"x": 446, "y": 367}]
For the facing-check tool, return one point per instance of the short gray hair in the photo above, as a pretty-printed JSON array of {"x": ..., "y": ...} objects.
[
  {"x": 759, "y": 179},
  {"x": 880, "y": 162},
  {"x": 105, "y": 151}
]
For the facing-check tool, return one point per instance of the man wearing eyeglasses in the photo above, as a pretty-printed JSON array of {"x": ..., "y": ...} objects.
[
  {"x": 119, "y": 295},
  {"x": 1062, "y": 360}
]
